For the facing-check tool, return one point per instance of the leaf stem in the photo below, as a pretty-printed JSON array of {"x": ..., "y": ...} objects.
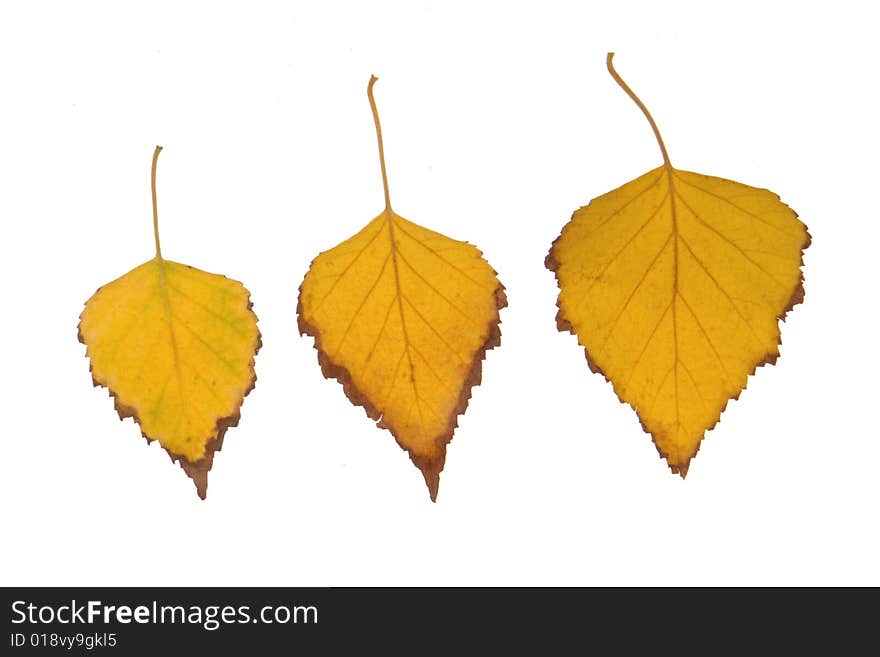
[
  {"x": 155, "y": 205},
  {"x": 637, "y": 101},
  {"x": 373, "y": 79}
]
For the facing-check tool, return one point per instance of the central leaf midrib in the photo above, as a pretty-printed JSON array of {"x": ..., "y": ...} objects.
[
  {"x": 675, "y": 283},
  {"x": 166, "y": 300},
  {"x": 390, "y": 218}
]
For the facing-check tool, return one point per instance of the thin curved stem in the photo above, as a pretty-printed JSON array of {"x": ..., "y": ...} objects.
[
  {"x": 637, "y": 101},
  {"x": 155, "y": 205},
  {"x": 373, "y": 79}
]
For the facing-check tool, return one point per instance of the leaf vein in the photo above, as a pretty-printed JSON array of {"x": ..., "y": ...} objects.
[
  {"x": 734, "y": 205},
  {"x": 729, "y": 241},
  {"x": 608, "y": 264},
  {"x": 208, "y": 346},
  {"x": 694, "y": 384},
  {"x": 437, "y": 254},
  {"x": 440, "y": 337},
  {"x": 363, "y": 303},
  {"x": 432, "y": 370},
  {"x": 220, "y": 318},
  {"x": 632, "y": 294},
  {"x": 638, "y": 195},
  {"x": 379, "y": 335},
  {"x": 706, "y": 336},
  {"x": 647, "y": 344},
  {"x": 437, "y": 291},
  {"x": 346, "y": 269},
  {"x": 730, "y": 300}
]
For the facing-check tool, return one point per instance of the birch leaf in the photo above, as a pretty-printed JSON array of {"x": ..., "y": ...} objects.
[
  {"x": 674, "y": 284},
  {"x": 175, "y": 346},
  {"x": 402, "y": 316}
]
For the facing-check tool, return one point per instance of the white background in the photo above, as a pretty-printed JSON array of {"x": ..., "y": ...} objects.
[{"x": 499, "y": 120}]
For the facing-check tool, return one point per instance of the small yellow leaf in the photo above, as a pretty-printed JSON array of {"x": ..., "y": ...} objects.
[
  {"x": 403, "y": 316},
  {"x": 175, "y": 346},
  {"x": 674, "y": 284}
]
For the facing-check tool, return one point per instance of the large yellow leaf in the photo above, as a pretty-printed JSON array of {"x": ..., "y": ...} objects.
[
  {"x": 402, "y": 317},
  {"x": 674, "y": 284},
  {"x": 175, "y": 346}
]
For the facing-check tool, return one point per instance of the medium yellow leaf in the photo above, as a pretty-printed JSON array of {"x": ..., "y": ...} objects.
[
  {"x": 674, "y": 284},
  {"x": 402, "y": 317},
  {"x": 175, "y": 346}
]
